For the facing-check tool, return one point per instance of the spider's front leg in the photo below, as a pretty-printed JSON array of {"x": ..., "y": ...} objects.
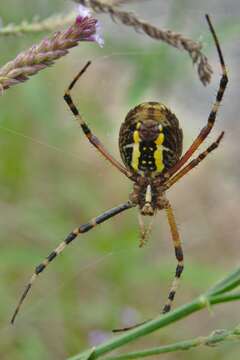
[
  {"x": 79, "y": 230},
  {"x": 92, "y": 138},
  {"x": 213, "y": 113}
]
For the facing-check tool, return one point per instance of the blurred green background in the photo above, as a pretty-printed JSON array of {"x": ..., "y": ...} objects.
[{"x": 52, "y": 180}]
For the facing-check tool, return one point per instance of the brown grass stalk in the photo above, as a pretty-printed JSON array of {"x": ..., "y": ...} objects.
[{"x": 170, "y": 37}]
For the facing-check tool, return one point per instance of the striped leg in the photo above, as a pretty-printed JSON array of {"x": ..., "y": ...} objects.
[
  {"x": 212, "y": 116},
  {"x": 93, "y": 139},
  {"x": 179, "y": 256},
  {"x": 179, "y": 269},
  {"x": 80, "y": 230},
  {"x": 194, "y": 162}
]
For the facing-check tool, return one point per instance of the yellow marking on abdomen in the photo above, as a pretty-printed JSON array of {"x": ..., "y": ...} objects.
[
  {"x": 136, "y": 152},
  {"x": 158, "y": 153}
]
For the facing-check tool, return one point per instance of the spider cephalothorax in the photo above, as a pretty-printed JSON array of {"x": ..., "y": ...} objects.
[
  {"x": 149, "y": 194},
  {"x": 150, "y": 143}
]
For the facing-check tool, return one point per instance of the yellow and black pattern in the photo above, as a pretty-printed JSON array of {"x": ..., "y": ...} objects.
[
  {"x": 150, "y": 139},
  {"x": 146, "y": 156}
]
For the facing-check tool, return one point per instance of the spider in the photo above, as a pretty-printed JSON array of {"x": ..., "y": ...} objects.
[{"x": 150, "y": 143}]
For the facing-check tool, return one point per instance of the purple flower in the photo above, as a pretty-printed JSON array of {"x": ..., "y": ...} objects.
[
  {"x": 84, "y": 12},
  {"x": 42, "y": 55}
]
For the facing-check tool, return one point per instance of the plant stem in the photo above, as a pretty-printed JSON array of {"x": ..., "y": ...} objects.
[
  {"x": 146, "y": 328},
  {"x": 227, "y": 284},
  {"x": 214, "y": 338},
  {"x": 218, "y": 299},
  {"x": 49, "y": 24},
  {"x": 211, "y": 297}
]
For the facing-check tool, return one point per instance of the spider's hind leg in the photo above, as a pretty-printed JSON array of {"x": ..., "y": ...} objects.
[{"x": 179, "y": 257}]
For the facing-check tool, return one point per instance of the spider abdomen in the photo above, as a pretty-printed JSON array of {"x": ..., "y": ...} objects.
[{"x": 150, "y": 139}]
